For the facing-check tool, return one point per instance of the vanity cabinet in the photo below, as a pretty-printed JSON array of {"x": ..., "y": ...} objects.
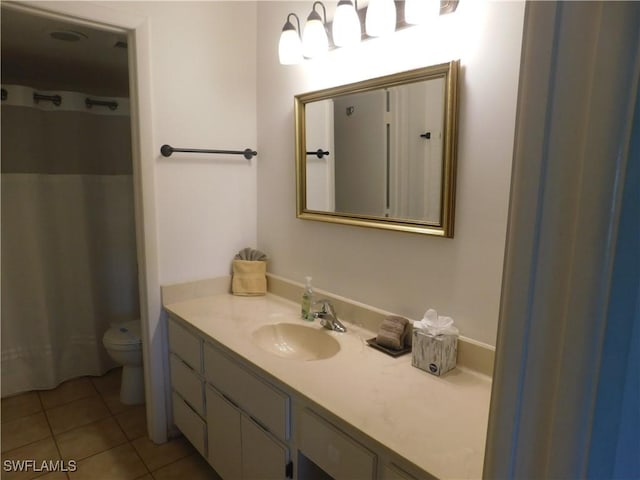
[
  {"x": 246, "y": 426},
  {"x": 236, "y": 420}
]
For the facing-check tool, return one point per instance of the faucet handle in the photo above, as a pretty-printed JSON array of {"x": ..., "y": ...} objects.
[{"x": 325, "y": 304}]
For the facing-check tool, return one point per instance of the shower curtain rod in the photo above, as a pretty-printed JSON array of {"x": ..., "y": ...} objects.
[
  {"x": 167, "y": 150},
  {"x": 90, "y": 102},
  {"x": 55, "y": 99}
]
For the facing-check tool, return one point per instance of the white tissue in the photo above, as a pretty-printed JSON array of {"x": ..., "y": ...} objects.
[{"x": 436, "y": 325}]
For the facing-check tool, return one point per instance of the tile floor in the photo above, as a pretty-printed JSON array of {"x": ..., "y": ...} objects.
[{"x": 83, "y": 420}]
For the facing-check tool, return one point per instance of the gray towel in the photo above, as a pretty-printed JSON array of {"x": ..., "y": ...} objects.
[
  {"x": 393, "y": 332},
  {"x": 250, "y": 254}
]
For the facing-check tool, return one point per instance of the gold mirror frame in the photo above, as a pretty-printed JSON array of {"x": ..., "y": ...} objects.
[{"x": 448, "y": 71}]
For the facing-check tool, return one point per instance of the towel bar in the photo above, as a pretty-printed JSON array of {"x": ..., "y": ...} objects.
[
  {"x": 319, "y": 153},
  {"x": 167, "y": 150}
]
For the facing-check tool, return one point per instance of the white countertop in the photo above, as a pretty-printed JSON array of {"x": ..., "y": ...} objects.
[{"x": 437, "y": 423}]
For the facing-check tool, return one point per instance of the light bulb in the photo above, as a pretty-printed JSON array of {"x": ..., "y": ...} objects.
[
  {"x": 314, "y": 36},
  {"x": 346, "y": 25},
  {"x": 381, "y": 18},
  {"x": 314, "y": 39},
  {"x": 290, "y": 46}
]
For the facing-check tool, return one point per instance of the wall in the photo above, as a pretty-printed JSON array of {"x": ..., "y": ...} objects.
[
  {"x": 400, "y": 272},
  {"x": 203, "y": 96}
]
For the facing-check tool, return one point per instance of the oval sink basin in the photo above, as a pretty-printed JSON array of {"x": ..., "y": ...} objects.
[{"x": 298, "y": 342}]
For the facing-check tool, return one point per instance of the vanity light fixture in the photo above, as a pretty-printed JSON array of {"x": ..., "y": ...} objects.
[
  {"x": 381, "y": 18},
  {"x": 346, "y": 26},
  {"x": 290, "y": 46},
  {"x": 417, "y": 12},
  {"x": 314, "y": 36}
]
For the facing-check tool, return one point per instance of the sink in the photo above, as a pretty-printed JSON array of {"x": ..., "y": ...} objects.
[{"x": 297, "y": 342}]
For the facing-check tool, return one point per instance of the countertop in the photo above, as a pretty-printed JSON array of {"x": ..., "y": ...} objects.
[{"x": 437, "y": 423}]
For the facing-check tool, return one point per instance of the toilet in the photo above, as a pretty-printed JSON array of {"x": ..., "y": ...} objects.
[{"x": 124, "y": 345}]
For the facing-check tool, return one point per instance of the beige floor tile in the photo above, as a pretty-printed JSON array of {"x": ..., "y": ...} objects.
[
  {"x": 90, "y": 439},
  {"x": 77, "y": 413},
  {"x": 119, "y": 463},
  {"x": 24, "y": 430},
  {"x": 20, "y": 406},
  {"x": 54, "y": 476},
  {"x": 133, "y": 422},
  {"x": 112, "y": 399},
  {"x": 155, "y": 456},
  {"x": 67, "y": 392},
  {"x": 193, "y": 467},
  {"x": 108, "y": 382},
  {"x": 42, "y": 450},
  {"x": 146, "y": 477}
]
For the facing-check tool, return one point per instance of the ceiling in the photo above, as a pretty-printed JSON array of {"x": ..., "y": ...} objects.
[{"x": 95, "y": 63}]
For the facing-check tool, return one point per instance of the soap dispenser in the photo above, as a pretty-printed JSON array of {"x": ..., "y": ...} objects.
[{"x": 307, "y": 298}]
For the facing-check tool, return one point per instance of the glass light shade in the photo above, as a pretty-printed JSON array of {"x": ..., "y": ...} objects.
[
  {"x": 381, "y": 17},
  {"x": 346, "y": 25},
  {"x": 421, "y": 11},
  {"x": 290, "y": 48},
  {"x": 314, "y": 39}
]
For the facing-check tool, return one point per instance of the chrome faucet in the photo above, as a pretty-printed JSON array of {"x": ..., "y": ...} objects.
[{"x": 327, "y": 316}]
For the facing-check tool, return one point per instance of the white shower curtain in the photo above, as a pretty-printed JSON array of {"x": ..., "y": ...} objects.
[{"x": 68, "y": 237}]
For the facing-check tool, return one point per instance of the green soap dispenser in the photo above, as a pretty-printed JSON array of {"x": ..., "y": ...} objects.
[{"x": 307, "y": 298}]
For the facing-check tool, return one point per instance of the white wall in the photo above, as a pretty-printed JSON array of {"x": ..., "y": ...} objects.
[
  {"x": 203, "y": 77},
  {"x": 400, "y": 272}
]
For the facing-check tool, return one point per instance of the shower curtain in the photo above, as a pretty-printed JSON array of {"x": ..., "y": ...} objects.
[{"x": 68, "y": 235}]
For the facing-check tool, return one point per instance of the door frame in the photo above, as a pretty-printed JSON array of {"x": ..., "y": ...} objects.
[
  {"x": 578, "y": 85},
  {"x": 144, "y": 172}
]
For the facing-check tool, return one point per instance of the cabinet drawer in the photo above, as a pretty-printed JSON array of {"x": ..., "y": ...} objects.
[
  {"x": 187, "y": 383},
  {"x": 266, "y": 404},
  {"x": 189, "y": 423},
  {"x": 332, "y": 450},
  {"x": 186, "y": 345}
]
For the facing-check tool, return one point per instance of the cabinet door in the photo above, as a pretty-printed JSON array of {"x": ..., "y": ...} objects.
[
  {"x": 391, "y": 472},
  {"x": 224, "y": 434},
  {"x": 333, "y": 450},
  {"x": 263, "y": 456},
  {"x": 189, "y": 423}
]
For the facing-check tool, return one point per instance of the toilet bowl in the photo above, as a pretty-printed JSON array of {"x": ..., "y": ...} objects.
[{"x": 124, "y": 345}]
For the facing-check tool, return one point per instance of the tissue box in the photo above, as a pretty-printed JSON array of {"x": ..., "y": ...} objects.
[{"x": 434, "y": 354}]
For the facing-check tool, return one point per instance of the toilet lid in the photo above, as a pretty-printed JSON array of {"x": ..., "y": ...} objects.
[{"x": 127, "y": 333}]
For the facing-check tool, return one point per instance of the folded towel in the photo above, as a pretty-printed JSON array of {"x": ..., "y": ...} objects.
[
  {"x": 249, "y": 278},
  {"x": 393, "y": 332},
  {"x": 250, "y": 254}
]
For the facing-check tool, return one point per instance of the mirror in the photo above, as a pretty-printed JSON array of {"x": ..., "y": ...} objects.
[{"x": 381, "y": 152}]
